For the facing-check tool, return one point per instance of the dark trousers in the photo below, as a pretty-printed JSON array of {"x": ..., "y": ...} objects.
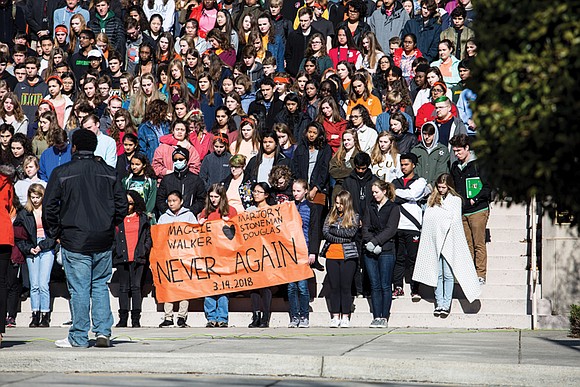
[
  {"x": 261, "y": 300},
  {"x": 407, "y": 246},
  {"x": 14, "y": 288},
  {"x": 5, "y": 253},
  {"x": 340, "y": 277},
  {"x": 130, "y": 275}
]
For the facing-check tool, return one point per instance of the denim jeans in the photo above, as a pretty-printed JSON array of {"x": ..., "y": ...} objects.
[
  {"x": 39, "y": 268},
  {"x": 444, "y": 289},
  {"x": 299, "y": 299},
  {"x": 87, "y": 276},
  {"x": 380, "y": 270},
  {"x": 216, "y": 308}
]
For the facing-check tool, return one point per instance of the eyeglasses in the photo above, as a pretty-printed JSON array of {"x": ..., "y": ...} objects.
[
  {"x": 355, "y": 116},
  {"x": 438, "y": 90},
  {"x": 258, "y": 192}
]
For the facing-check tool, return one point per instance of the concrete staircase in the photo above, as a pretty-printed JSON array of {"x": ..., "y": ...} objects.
[{"x": 504, "y": 302}]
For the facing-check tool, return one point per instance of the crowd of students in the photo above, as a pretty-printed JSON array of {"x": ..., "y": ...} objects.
[{"x": 358, "y": 111}]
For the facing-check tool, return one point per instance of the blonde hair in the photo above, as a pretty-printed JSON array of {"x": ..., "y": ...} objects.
[
  {"x": 436, "y": 199},
  {"x": 389, "y": 189},
  {"x": 37, "y": 189},
  {"x": 377, "y": 156},
  {"x": 341, "y": 152},
  {"x": 348, "y": 214}
]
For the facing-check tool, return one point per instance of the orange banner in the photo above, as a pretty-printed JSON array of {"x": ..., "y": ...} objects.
[{"x": 253, "y": 250}]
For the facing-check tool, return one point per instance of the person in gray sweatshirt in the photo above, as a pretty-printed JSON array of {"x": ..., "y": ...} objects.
[{"x": 174, "y": 214}]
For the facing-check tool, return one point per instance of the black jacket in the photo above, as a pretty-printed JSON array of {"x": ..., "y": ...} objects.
[
  {"x": 191, "y": 187},
  {"x": 460, "y": 176},
  {"x": 143, "y": 247},
  {"x": 405, "y": 141},
  {"x": 258, "y": 109},
  {"x": 26, "y": 220},
  {"x": 251, "y": 171},
  {"x": 114, "y": 29},
  {"x": 39, "y": 15},
  {"x": 380, "y": 226},
  {"x": 83, "y": 203},
  {"x": 12, "y": 20},
  {"x": 296, "y": 48},
  {"x": 360, "y": 190},
  {"x": 297, "y": 122},
  {"x": 320, "y": 176}
]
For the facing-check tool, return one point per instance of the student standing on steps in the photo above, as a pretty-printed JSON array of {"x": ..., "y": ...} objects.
[
  {"x": 443, "y": 253},
  {"x": 341, "y": 252},
  {"x": 176, "y": 212}
]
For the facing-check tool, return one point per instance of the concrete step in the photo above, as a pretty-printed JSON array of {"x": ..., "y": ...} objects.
[
  {"x": 405, "y": 312},
  {"x": 504, "y": 234},
  {"x": 507, "y": 262},
  {"x": 321, "y": 319},
  {"x": 506, "y": 248},
  {"x": 507, "y": 277}
]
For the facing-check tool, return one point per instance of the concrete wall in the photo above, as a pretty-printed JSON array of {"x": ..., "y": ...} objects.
[{"x": 561, "y": 268}]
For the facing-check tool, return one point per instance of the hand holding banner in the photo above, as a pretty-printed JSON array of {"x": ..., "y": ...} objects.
[{"x": 253, "y": 250}]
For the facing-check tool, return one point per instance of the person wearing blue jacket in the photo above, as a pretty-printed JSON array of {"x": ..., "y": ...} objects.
[
  {"x": 55, "y": 156},
  {"x": 427, "y": 28}
]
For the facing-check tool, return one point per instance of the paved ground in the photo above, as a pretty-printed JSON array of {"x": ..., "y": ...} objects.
[{"x": 321, "y": 355}]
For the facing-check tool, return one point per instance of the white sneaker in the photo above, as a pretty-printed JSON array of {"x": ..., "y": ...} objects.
[
  {"x": 63, "y": 343},
  {"x": 345, "y": 322},
  {"x": 335, "y": 322}
]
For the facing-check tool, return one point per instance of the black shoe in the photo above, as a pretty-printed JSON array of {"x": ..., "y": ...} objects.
[
  {"x": 35, "y": 323},
  {"x": 444, "y": 312},
  {"x": 123, "y": 317},
  {"x": 265, "y": 320},
  {"x": 135, "y": 318},
  {"x": 181, "y": 322},
  {"x": 45, "y": 321},
  {"x": 166, "y": 323},
  {"x": 255, "y": 320},
  {"x": 317, "y": 266},
  {"x": 222, "y": 324},
  {"x": 211, "y": 324}
]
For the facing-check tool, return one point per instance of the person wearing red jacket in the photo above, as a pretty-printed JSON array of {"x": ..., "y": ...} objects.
[
  {"x": 426, "y": 112},
  {"x": 6, "y": 236},
  {"x": 334, "y": 125}
]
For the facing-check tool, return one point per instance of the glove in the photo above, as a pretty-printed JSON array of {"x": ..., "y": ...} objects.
[
  {"x": 377, "y": 250},
  {"x": 370, "y": 247}
]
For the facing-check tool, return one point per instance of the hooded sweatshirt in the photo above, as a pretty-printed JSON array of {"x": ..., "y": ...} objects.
[
  {"x": 30, "y": 95},
  {"x": 433, "y": 159},
  {"x": 183, "y": 215}
]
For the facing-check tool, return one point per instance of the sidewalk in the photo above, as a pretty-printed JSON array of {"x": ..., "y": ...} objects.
[{"x": 499, "y": 357}]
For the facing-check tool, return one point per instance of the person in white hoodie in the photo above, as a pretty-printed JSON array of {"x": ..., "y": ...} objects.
[{"x": 174, "y": 214}]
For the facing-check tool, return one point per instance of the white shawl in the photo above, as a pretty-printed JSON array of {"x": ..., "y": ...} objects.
[{"x": 443, "y": 235}]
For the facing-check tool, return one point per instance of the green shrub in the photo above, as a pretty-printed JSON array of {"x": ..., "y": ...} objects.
[{"x": 575, "y": 320}]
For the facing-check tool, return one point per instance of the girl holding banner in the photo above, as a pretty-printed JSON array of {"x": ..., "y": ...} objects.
[
  {"x": 339, "y": 231},
  {"x": 261, "y": 298},
  {"x": 216, "y": 207}
]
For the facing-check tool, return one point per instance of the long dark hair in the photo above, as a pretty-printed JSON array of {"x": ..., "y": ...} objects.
[
  {"x": 259, "y": 157},
  {"x": 147, "y": 168},
  {"x": 320, "y": 141},
  {"x": 138, "y": 202}
]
